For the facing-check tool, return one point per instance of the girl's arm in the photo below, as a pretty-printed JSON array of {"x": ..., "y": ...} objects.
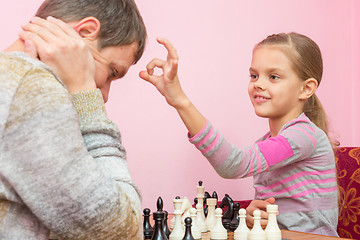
[{"x": 168, "y": 85}]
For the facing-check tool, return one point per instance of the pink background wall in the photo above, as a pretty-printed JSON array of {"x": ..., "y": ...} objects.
[{"x": 214, "y": 40}]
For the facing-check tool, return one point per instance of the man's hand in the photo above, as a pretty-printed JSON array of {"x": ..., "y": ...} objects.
[
  {"x": 260, "y": 205},
  {"x": 59, "y": 46}
]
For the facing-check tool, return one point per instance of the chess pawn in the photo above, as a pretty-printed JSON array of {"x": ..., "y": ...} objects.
[
  {"x": 148, "y": 229},
  {"x": 200, "y": 221},
  {"x": 218, "y": 231},
  {"x": 159, "y": 233},
  {"x": 257, "y": 233},
  {"x": 242, "y": 231},
  {"x": 178, "y": 230},
  {"x": 188, "y": 235},
  {"x": 210, "y": 218},
  {"x": 272, "y": 229},
  {"x": 194, "y": 228}
]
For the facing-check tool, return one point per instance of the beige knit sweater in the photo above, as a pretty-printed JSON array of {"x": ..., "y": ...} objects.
[{"x": 62, "y": 165}]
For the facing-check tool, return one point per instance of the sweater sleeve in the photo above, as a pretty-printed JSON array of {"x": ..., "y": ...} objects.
[
  {"x": 72, "y": 176},
  {"x": 292, "y": 145}
]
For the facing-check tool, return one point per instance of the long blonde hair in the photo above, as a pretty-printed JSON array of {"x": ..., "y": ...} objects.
[{"x": 305, "y": 55}]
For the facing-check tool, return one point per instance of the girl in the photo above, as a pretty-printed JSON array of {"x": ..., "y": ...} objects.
[{"x": 294, "y": 162}]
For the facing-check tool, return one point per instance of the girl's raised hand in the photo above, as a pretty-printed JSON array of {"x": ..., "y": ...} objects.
[
  {"x": 168, "y": 83},
  {"x": 59, "y": 46}
]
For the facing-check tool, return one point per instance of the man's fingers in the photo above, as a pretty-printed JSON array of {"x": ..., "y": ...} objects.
[{"x": 64, "y": 27}]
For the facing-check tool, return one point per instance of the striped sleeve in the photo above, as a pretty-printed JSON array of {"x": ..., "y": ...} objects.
[{"x": 296, "y": 141}]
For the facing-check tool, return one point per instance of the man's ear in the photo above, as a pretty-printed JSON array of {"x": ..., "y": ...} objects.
[
  {"x": 88, "y": 28},
  {"x": 308, "y": 88}
]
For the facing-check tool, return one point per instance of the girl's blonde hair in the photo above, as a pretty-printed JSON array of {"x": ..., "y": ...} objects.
[{"x": 305, "y": 55}]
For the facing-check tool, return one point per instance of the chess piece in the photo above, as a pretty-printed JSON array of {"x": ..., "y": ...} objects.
[
  {"x": 242, "y": 231},
  {"x": 148, "y": 229},
  {"x": 196, "y": 232},
  {"x": 235, "y": 221},
  {"x": 206, "y": 196},
  {"x": 199, "y": 218},
  {"x": 172, "y": 221},
  {"x": 185, "y": 208},
  {"x": 188, "y": 235},
  {"x": 214, "y": 195},
  {"x": 272, "y": 229},
  {"x": 159, "y": 233},
  {"x": 159, "y": 217},
  {"x": 200, "y": 196},
  {"x": 210, "y": 218},
  {"x": 229, "y": 211},
  {"x": 218, "y": 231},
  {"x": 178, "y": 230},
  {"x": 257, "y": 233},
  {"x": 165, "y": 224}
]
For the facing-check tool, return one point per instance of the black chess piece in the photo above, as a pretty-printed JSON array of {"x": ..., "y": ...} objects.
[
  {"x": 159, "y": 217},
  {"x": 235, "y": 221},
  {"x": 214, "y": 195},
  {"x": 206, "y": 196},
  {"x": 159, "y": 233},
  {"x": 188, "y": 234},
  {"x": 229, "y": 211},
  {"x": 165, "y": 224},
  {"x": 148, "y": 229}
]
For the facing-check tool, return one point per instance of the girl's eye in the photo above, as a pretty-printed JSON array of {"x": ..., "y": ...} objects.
[
  {"x": 274, "y": 77},
  {"x": 253, "y": 76}
]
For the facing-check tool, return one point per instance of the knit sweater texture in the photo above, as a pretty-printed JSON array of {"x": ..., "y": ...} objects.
[
  {"x": 296, "y": 167},
  {"x": 62, "y": 164}
]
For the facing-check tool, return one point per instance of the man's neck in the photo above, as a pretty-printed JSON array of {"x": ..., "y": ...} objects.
[{"x": 18, "y": 45}]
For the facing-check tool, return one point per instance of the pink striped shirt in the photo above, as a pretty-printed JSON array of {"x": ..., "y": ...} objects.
[{"x": 297, "y": 167}]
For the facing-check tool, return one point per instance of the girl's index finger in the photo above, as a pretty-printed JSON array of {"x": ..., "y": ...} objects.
[{"x": 172, "y": 53}]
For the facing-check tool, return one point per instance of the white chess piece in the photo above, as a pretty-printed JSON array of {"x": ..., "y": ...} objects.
[
  {"x": 218, "y": 231},
  {"x": 211, "y": 219},
  {"x": 195, "y": 230},
  {"x": 178, "y": 231},
  {"x": 200, "y": 197},
  {"x": 185, "y": 209},
  {"x": 242, "y": 231},
  {"x": 199, "y": 220},
  {"x": 257, "y": 233},
  {"x": 272, "y": 229}
]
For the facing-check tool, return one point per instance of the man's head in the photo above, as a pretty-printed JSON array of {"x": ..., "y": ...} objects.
[{"x": 114, "y": 30}]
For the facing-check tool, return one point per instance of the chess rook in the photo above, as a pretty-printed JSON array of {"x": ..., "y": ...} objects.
[
  {"x": 210, "y": 218},
  {"x": 272, "y": 229}
]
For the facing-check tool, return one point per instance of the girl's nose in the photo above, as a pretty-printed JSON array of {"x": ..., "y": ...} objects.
[{"x": 260, "y": 83}]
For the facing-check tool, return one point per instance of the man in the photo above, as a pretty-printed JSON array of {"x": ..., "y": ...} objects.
[{"x": 63, "y": 167}]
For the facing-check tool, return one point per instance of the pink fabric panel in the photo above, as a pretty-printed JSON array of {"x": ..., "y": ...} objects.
[
  {"x": 298, "y": 185},
  {"x": 295, "y": 176},
  {"x": 275, "y": 149}
]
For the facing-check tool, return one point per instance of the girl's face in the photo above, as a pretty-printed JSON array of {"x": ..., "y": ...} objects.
[{"x": 274, "y": 87}]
